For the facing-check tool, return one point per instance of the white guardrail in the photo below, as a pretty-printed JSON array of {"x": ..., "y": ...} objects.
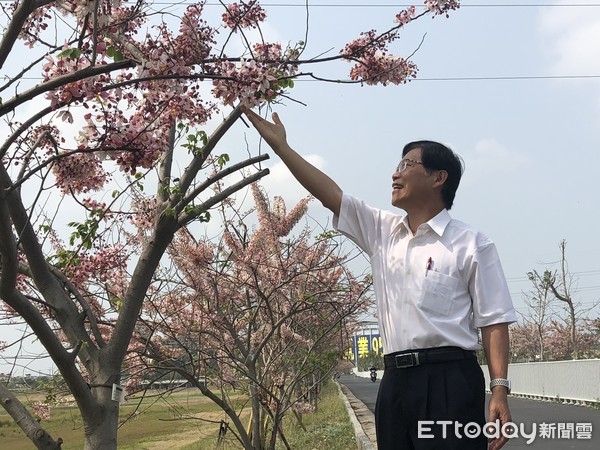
[{"x": 575, "y": 381}]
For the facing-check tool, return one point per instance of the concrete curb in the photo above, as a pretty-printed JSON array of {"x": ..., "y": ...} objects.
[{"x": 363, "y": 420}]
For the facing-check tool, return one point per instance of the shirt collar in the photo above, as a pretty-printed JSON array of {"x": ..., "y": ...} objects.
[
  {"x": 437, "y": 223},
  {"x": 440, "y": 222}
]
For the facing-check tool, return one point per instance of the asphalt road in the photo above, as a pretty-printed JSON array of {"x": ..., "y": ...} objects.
[{"x": 573, "y": 420}]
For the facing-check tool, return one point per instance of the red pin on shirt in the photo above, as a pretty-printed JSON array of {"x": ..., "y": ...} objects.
[{"x": 429, "y": 263}]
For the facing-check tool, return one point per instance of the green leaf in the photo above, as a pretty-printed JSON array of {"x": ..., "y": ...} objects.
[
  {"x": 222, "y": 160},
  {"x": 115, "y": 54},
  {"x": 203, "y": 136},
  {"x": 204, "y": 217},
  {"x": 73, "y": 53},
  {"x": 117, "y": 302}
]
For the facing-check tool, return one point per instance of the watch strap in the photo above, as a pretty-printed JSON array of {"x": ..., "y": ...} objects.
[{"x": 500, "y": 382}]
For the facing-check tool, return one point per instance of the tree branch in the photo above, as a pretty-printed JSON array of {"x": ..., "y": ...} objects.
[
  {"x": 225, "y": 193},
  {"x": 190, "y": 174},
  {"x": 54, "y": 83},
  {"x": 30, "y": 426},
  {"x": 24, "y": 9},
  {"x": 219, "y": 176}
]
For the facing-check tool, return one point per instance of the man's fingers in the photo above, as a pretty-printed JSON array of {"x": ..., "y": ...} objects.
[
  {"x": 248, "y": 112},
  {"x": 276, "y": 119},
  {"x": 255, "y": 118}
]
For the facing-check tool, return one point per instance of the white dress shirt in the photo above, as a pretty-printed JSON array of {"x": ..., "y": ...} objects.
[{"x": 433, "y": 288}]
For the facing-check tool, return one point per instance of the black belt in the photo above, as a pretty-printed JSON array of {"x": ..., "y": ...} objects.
[{"x": 402, "y": 360}]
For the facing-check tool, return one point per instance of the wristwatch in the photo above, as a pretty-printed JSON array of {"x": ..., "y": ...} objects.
[{"x": 500, "y": 382}]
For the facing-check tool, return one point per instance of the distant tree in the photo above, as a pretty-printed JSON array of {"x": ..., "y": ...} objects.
[
  {"x": 560, "y": 346},
  {"x": 524, "y": 341},
  {"x": 538, "y": 308},
  {"x": 556, "y": 285},
  {"x": 561, "y": 284},
  {"x": 261, "y": 311}
]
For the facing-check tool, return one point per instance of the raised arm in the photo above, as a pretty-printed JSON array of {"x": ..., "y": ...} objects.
[{"x": 316, "y": 182}]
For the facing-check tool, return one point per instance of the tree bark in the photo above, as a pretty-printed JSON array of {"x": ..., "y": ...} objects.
[{"x": 102, "y": 432}]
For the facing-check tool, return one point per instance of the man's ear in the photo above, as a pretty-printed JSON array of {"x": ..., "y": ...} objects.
[{"x": 440, "y": 178}]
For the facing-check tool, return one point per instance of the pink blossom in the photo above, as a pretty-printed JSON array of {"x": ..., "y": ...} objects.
[
  {"x": 406, "y": 15},
  {"x": 41, "y": 410},
  {"x": 438, "y": 7},
  {"x": 35, "y": 23},
  {"x": 303, "y": 407},
  {"x": 251, "y": 82},
  {"x": 144, "y": 216},
  {"x": 79, "y": 172},
  {"x": 243, "y": 15},
  {"x": 106, "y": 266},
  {"x": 383, "y": 69}
]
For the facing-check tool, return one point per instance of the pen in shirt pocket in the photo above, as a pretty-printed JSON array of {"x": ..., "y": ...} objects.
[{"x": 428, "y": 267}]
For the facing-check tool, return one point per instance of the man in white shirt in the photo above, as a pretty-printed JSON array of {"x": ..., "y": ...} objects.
[{"x": 436, "y": 281}]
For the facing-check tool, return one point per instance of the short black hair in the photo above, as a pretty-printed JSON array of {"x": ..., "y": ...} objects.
[{"x": 436, "y": 156}]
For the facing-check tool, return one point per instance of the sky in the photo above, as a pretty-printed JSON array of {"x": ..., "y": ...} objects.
[{"x": 513, "y": 88}]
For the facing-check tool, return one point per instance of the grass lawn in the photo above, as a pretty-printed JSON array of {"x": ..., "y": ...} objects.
[{"x": 159, "y": 425}]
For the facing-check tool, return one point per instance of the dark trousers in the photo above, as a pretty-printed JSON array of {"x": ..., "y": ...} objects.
[{"x": 446, "y": 391}]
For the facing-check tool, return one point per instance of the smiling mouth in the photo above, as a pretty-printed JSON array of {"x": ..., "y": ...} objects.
[{"x": 397, "y": 186}]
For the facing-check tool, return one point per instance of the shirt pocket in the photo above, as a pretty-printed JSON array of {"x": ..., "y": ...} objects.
[{"x": 439, "y": 292}]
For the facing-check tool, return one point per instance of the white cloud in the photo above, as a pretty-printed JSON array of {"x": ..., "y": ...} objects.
[
  {"x": 281, "y": 182},
  {"x": 571, "y": 39},
  {"x": 490, "y": 162}
]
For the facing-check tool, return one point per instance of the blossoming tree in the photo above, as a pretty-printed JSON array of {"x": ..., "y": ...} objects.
[
  {"x": 111, "y": 136},
  {"x": 262, "y": 311}
]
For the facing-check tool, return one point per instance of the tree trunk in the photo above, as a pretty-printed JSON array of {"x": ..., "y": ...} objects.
[
  {"x": 101, "y": 430},
  {"x": 541, "y": 341},
  {"x": 575, "y": 354},
  {"x": 256, "y": 410}
]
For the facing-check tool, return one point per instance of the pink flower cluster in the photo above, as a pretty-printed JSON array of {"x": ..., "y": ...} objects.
[
  {"x": 250, "y": 82},
  {"x": 366, "y": 44},
  {"x": 144, "y": 213},
  {"x": 267, "y": 52},
  {"x": 86, "y": 89},
  {"x": 35, "y": 23},
  {"x": 243, "y": 15},
  {"x": 41, "y": 410},
  {"x": 79, "y": 172},
  {"x": 406, "y": 15},
  {"x": 107, "y": 266},
  {"x": 303, "y": 407},
  {"x": 196, "y": 37},
  {"x": 373, "y": 62},
  {"x": 277, "y": 223},
  {"x": 439, "y": 7},
  {"x": 384, "y": 69}
]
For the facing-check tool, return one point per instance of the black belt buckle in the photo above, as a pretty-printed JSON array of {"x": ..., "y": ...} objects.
[{"x": 407, "y": 360}]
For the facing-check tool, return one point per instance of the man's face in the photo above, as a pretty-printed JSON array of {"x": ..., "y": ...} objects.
[{"x": 411, "y": 184}]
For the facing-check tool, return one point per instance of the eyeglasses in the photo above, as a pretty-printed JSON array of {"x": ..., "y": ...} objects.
[{"x": 406, "y": 163}]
